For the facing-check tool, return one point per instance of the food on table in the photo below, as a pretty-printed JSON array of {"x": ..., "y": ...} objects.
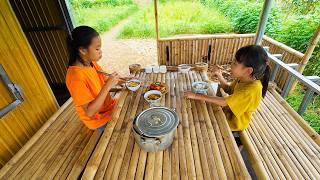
[
  {"x": 184, "y": 68},
  {"x": 225, "y": 69},
  {"x": 200, "y": 87},
  {"x": 158, "y": 86},
  {"x": 134, "y": 68},
  {"x": 133, "y": 84},
  {"x": 153, "y": 96}
]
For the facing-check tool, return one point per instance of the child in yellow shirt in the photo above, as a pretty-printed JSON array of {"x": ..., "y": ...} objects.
[{"x": 251, "y": 71}]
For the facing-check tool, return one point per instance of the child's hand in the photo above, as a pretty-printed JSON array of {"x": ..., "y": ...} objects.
[
  {"x": 189, "y": 94},
  {"x": 113, "y": 80},
  {"x": 218, "y": 73},
  {"x": 223, "y": 93}
]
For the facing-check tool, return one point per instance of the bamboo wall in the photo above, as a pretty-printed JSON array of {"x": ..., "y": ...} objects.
[
  {"x": 39, "y": 104},
  {"x": 44, "y": 26},
  {"x": 214, "y": 49},
  {"x": 219, "y": 49}
]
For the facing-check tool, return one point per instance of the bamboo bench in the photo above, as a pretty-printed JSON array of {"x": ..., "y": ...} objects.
[
  {"x": 280, "y": 144},
  {"x": 60, "y": 149}
]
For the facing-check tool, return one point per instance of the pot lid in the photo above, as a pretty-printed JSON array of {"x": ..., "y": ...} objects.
[{"x": 156, "y": 121}]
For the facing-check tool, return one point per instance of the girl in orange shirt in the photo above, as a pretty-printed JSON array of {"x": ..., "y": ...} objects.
[{"x": 89, "y": 89}]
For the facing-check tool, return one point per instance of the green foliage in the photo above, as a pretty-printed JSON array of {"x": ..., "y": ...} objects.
[
  {"x": 293, "y": 25},
  {"x": 312, "y": 114},
  {"x": 177, "y": 17},
  {"x": 244, "y": 15},
  {"x": 303, "y": 7},
  {"x": 94, "y": 3},
  {"x": 102, "y": 14},
  {"x": 297, "y": 33}
]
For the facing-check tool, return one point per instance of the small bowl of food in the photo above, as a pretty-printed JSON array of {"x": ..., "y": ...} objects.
[
  {"x": 200, "y": 87},
  {"x": 153, "y": 96},
  {"x": 162, "y": 87},
  {"x": 184, "y": 68},
  {"x": 133, "y": 84},
  {"x": 201, "y": 66}
]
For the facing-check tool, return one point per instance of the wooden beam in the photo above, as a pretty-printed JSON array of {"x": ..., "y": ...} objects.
[
  {"x": 307, "y": 55},
  {"x": 306, "y": 82},
  {"x": 156, "y": 18},
  {"x": 263, "y": 21},
  {"x": 157, "y": 27},
  {"x": 208, "y": 36}
]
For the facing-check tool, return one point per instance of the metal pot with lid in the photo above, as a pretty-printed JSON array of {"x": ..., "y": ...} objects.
[{"x": 154, "y": 128}]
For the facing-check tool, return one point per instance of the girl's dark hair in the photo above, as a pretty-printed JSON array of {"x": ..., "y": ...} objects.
[
  {"x": 81, "y": 36},
  {"x": 256, "y": 57}
]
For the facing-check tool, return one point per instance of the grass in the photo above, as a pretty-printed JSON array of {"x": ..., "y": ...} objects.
[
  {"x": 102, "y": 16},
  {"x": 312, "y": 114},
  {"x": 176, "y": 17}
]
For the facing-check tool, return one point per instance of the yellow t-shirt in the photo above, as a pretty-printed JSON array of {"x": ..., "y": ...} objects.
[{"x": 243, "y": 100}]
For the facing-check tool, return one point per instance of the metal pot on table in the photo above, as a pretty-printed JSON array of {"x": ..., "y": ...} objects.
[{"x": 154, "y": 128}]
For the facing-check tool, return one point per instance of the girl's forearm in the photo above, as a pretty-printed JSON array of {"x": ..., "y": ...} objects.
[
  {"x": 95, "y": 105},
  {"x": 223, "y": 83},
  {"x": 211, "y": 99}
]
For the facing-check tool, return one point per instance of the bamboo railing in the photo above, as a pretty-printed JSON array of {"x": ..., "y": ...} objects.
[
  {"x": 289, "y": 55},
  {"x": 219, "y": 49}
]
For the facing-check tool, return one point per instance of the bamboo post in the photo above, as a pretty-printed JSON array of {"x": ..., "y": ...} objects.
[
  {"x": 157, "y": 26},
  {"x": 307, "y": 55},
  {"x": 263, "y": 21}
]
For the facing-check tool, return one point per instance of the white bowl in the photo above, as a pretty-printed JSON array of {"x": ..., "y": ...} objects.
[
  {"x": 155, "y": 69},
  {"x": 200, "y": 87},
  {"x": 184, "y": 68},
  {"x": 133, "y": 88},
  {"x": 152, "y": 92},
  {"x": 148, "y": 69},
  {"x": 163, "y": 69}
]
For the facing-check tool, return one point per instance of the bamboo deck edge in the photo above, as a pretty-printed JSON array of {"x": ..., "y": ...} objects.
[{"x": 34, "y": 138}]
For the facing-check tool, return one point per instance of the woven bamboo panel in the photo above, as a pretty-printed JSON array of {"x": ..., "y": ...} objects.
[
  {"x": 219, "y": 49},
  {"x": 43, "y": 25},
  {"x": 213, "y": 49},
  {"x": 22, "y": 67}
]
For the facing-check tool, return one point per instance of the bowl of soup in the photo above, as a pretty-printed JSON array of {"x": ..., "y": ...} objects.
[
  {"x": 184, "y": 68},
  {"x": 153, "y": 96},
  {"x": 200, "y": 87},
  {"x": 133, "y": 85}
]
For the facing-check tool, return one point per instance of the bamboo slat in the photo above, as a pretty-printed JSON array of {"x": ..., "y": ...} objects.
[
  {"x": 53, "y": 150},
  {"x": 49, "y": 45},
  {"x": 16, "y": 56},
  {"x": 189, "y": 157},
  {"x": 283, "y": 144},
  {"x": 203, "y": 146},
  {"x": 223, "y": 50}
]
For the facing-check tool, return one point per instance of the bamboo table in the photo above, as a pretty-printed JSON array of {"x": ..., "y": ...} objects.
[{"x": 203, "y": 145}]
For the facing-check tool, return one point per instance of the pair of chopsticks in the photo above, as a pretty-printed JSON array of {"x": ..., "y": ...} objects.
[{"x": 107, "y": 74}]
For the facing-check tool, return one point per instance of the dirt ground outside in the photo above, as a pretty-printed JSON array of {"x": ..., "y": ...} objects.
[{"x": 118, "y": 54}]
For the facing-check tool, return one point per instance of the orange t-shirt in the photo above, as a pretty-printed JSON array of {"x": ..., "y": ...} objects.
[{"x": 84, "y": 85}]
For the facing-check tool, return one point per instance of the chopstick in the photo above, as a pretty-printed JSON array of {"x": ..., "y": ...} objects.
[{"x": 107, "y": 74}]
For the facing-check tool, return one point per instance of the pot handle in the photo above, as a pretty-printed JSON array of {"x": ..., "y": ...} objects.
[{"x": 156, "y": 141}]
